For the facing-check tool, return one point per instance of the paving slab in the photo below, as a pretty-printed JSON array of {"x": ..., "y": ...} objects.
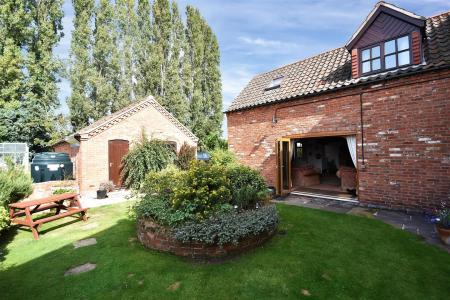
[
  {"x": 80, "y": 269},
  {"x": 84, "y": 243}
]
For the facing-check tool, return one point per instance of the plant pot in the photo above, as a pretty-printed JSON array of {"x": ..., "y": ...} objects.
[
  {"x": 101, "y": 194},
  {"x": 444, "y": 234}
]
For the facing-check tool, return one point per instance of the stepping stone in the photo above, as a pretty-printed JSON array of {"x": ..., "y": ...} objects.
[
  {"x": 84, "y": 243},
  {"x": 80, "y": 269},
  {"x": 174, "y": 286},
  {"x": 89, "y": 226},
  {"x": 362, "y": 212}
]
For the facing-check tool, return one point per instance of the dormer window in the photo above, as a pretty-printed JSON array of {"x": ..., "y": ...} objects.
[
  {"x": 371, "y": 60},
  {"x": 386, "y": 55},
  {"x": 275, "y": 83},
  {"x": 396, "y": 53}
]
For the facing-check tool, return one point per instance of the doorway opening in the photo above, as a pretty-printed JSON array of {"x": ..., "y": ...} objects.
[{"x": 318, "y": 165}]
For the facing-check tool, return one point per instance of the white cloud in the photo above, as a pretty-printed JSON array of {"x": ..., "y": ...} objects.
[{"x": 267, "y": 43}]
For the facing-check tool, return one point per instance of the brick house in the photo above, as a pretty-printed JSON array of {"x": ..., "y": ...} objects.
[
  {"x": 101, "y": 146},
  {"x": 367, "y": 122}
]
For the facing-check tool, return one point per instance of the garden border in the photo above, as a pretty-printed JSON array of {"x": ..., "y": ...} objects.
[{"x": 158, "y": 237}]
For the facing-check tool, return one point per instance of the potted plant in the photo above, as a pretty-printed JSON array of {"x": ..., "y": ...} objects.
[
  {"x": 104, "y": 188},
  {"x": 443, "y": 223}
]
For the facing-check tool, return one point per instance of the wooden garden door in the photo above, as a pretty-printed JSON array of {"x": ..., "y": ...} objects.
[{"x": 116, "y": 151}]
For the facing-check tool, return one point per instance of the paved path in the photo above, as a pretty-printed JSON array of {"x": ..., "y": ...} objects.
[
  {"x": 414, "y": 223},
  {"x": 89, "y": 199}
]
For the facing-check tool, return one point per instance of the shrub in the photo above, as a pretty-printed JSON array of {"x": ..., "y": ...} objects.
[
  {"x": 158, "y": 209},
  {"x": 145, "y": 156},
  {"x": 185, "y": 156},
  {"x": 60, "y": 191},
  {"x": 443, "y": 215},
  {"x": 15, "y": 184},
  {"x": 163, "y": 183},
  {"x": 228, "y": 228},
  {"x": 222, "y": 157},
  {"x": 246, "y": 185},
  {"x": 204, "y": 190},
  {"x": 106, "y": 186}
]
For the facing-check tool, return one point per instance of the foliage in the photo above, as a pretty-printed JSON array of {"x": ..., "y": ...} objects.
[
  {"x": 29, "y": 31},
  {"x": 158, "y": 209},
  {"x": 229, "y": 228},
  {"x": 106, "y": 186},
  {"x": 185, "y": 156},
  {"x": 443, "y": 215},
  {"x": 205, "y": 190},
  {"x": 222, "y": 157},
  {"x": 133, "y": 51},
  {"x": 163, "y": 183},
  {"x": 246, "y": 185},
  {"x": 60, "y": 191},
  {"x": 146, "y": 155},
  {"x": 15, "y": 184}
]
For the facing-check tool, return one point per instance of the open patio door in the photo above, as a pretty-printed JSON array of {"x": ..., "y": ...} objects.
[{"x": 283, "y": 166}]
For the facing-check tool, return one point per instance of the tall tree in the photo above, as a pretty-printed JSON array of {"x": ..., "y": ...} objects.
[
  {"x": 43, "y": 69},
  {"x": 105, "y": 89},
  {"x": 205, "y": 88},
  {"x": 81, "y": 72},
  {"x": 174, "y": 98},
  {"x": 144, "y": 49},
  {"x": 127, "y": 28},
  {"x": 30, "y": 30},
  {"x": 161, "y": 37}
]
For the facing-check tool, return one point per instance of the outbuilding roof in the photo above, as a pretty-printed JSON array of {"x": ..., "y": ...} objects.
[
  {"x": 332, "y": 69},
  {"x": 112, "y": 119}
]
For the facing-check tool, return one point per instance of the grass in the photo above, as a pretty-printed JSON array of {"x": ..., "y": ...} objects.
[{"x": 323, "y": 255}]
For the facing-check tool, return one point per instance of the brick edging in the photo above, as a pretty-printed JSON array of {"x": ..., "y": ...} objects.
[{"x": 157, "y": 237}]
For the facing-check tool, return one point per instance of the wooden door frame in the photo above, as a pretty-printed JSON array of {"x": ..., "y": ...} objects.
[{"x": 279, "y": 151}]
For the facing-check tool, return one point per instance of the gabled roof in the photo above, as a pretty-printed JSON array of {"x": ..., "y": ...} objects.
[
  {"x": 112, "y": 119},
  {"x": 332, "y": 70},
  {"x": 388, "y": 8}
]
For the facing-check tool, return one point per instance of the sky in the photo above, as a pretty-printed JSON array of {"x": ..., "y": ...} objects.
[{"x": 256, "y": 36}]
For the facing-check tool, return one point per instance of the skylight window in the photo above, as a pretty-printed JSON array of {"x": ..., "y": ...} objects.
[{"x": 275, "y": 83}]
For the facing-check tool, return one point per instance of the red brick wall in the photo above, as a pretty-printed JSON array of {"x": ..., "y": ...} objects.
[{"x": 406, "y": 136}]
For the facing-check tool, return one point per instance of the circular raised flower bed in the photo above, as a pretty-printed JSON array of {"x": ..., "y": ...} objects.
[{"x": 157, "y": 237}]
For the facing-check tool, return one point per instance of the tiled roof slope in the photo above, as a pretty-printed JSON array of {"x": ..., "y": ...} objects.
[
  {"x": 332, "y": 69},
  {"x": 112, "y": 119}
]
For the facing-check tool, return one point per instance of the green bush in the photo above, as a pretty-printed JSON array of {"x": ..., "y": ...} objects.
[
  {"x": 220, "y": 157},
  {"x": 145, "y": 156},
  {"x": 204, "y": 190},
  {"x": 60, "y": 191},
  {"x": 163, "y": 183},
  {"x": 228, "y": 228},
  {"x": 246, "y": 185},
  {"x": 15, "y": 184},
  {"x": 185, "y": 156},
  {"x": 158, "y": 209}
]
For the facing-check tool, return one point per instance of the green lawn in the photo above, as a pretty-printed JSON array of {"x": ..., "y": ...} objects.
[{"x": 327, "y": 255}]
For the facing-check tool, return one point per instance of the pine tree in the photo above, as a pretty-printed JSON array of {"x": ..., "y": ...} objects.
[
  {"x": 81, "y": 71},
  {"x": 143, "y": 49}
]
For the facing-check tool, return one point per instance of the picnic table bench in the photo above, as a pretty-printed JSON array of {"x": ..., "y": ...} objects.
[{"x": 63, "y": 209}]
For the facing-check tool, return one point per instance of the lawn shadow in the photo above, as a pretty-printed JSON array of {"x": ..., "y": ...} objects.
[{"x": 5, "y": 238}]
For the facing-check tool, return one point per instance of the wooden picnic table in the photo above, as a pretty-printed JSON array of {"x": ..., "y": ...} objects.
[{"x": 65, "y": 204}]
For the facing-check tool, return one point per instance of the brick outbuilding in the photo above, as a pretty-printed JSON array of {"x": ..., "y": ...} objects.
[
  {"x": 102, "y": 145},
  {"x": 367, "y": 122}
]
